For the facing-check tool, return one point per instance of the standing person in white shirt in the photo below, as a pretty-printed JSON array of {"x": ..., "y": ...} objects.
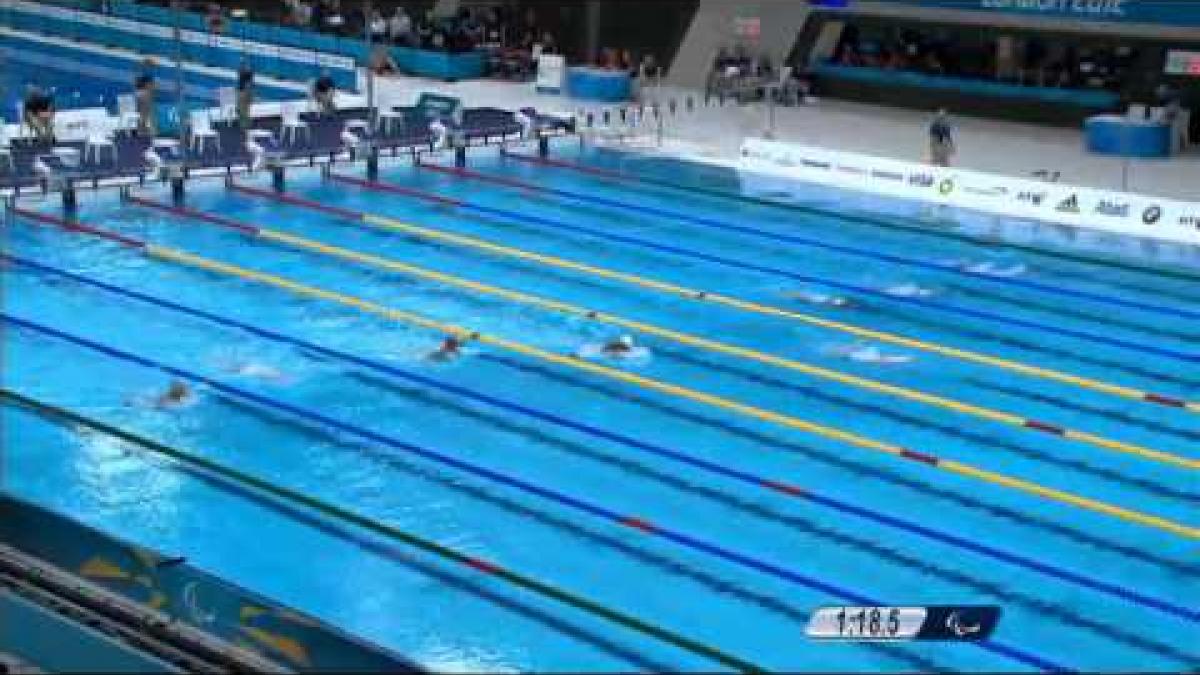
[{"x": 400, "y": 27}]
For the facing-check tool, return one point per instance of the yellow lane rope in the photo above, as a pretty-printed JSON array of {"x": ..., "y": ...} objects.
[
  {"x": 942, "y": 402},
  {"x": 1128, "y": 515},
  {"x": 768, "y": 310}
]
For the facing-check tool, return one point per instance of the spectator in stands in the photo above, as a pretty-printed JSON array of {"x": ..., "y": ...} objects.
[
  {"x": 424, "y": 31},
  {"x": 335, "y": 21},
  {"x": 144, "y": 93},
  {"x": 324, "y": 91},
  {"x": 298, "y": 13},
  {"x": 1033, "y": 62},
  {"x": 245, "y": 95},
  {"x": 492, "y": 26},
  {"x": 320, "y": 9},
  {"x": 39, "y": 114},
  {"x": 529, "y": 28},
  {"x": 648, "y": 68},
  {"x": 378, "y": 26},
  {"x": 400, "y": 28},
  {"x": 288, "y": 12},
  {"x": 215, "y": 19},
  {"x": 941, "y": 139},
  {"x": 626, "y": 62}
]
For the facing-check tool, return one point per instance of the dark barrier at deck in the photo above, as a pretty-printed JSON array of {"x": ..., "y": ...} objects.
[{"x": 189, "y": 594}]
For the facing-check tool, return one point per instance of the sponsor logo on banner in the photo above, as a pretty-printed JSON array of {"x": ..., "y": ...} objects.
[
  {"x": 1068, "y": 205},
  {"x": 814, "y": 164},
  {"x": 1152, "y": 214},
  {"x": 921, "y": 180},
  {"x": 853, "y": 170},
  {"x": 1110, "y": 207},
  {"x": 1190, "y": 221},
  {"x": 946, "y": 186},
  {"x": 1034, "y": 198},
  {"x": 887, "y": 175}
]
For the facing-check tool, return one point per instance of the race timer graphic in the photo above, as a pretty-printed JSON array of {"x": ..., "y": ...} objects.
[{"x": 958, "y": 623}]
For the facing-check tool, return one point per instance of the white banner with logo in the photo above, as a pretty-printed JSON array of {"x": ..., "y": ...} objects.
[
  {"x": 1089, "y": 208},
  {"x": 551, "y": 73}
]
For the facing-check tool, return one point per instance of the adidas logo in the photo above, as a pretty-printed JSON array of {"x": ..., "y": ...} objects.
[{"x": 1069, "y": 205}]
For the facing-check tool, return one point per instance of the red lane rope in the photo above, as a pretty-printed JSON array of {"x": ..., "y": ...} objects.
[{"x": 77, "y": 227}]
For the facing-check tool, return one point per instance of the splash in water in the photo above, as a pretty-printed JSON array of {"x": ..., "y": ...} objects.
[
  {"x": 992, "y": 269},
  {"x": 867, "y": 353},
  {"x": 818, "y": 298},
  {"x": 909, "y": 290}
]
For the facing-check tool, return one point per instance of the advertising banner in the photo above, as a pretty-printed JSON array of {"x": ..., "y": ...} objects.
[{"x": 1088, "y": 208}]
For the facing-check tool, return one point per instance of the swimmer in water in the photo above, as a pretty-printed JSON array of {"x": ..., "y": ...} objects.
[
  {"x": 176, "y": 395},
  {"x": 991, "y": 269},
  {"x": 251, "y": 369},
  {"x": 450, "y": 348},
  {"x": 620, "y": 347},
  {"x": 866, "y": 353},
  {"x": 821, "y": 299},
  {"x": 908, "y": 290}
]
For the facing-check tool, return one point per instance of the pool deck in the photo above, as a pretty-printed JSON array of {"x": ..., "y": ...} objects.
[{"x": 715, "y": 134}]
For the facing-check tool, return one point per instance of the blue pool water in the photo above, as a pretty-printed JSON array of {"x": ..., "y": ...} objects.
[{"x": 447, "y": 617}]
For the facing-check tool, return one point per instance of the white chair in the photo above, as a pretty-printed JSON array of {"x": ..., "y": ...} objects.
[
  {"x": 23, "y": 129},
  {"x": 292, "y": 125},
  {"x": 201, "y": 132},
  {"x": 6, "y": 151},
  {"x": 100, "y": 141},
  {"x": 227, "y": 104},
  {"x": 387, "y": 118},
  {"x": 127, "y": 114}
]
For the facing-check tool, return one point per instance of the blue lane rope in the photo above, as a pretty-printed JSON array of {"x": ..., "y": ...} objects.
[
  {"x": 839, "y": 506},
  {"x": 840, "y": 248},
  {"x": 683, "y": 539},
  {"x": 876, "y": 221},
  {"x": 863, "y": 290}
]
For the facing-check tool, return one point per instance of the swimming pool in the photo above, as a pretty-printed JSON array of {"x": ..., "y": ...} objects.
[{"x": 978, "y": 424}]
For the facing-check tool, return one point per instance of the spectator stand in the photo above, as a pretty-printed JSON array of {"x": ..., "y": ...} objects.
[{"x": 150, "y": 30}]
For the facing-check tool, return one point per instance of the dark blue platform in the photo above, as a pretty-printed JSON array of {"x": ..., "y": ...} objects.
[{"x": 326, "y": 141}]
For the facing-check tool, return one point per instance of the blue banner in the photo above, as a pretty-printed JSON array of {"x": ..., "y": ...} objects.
[
  {"x": 1166, "y": 12},
  {"x": 190, "y": 595}
]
